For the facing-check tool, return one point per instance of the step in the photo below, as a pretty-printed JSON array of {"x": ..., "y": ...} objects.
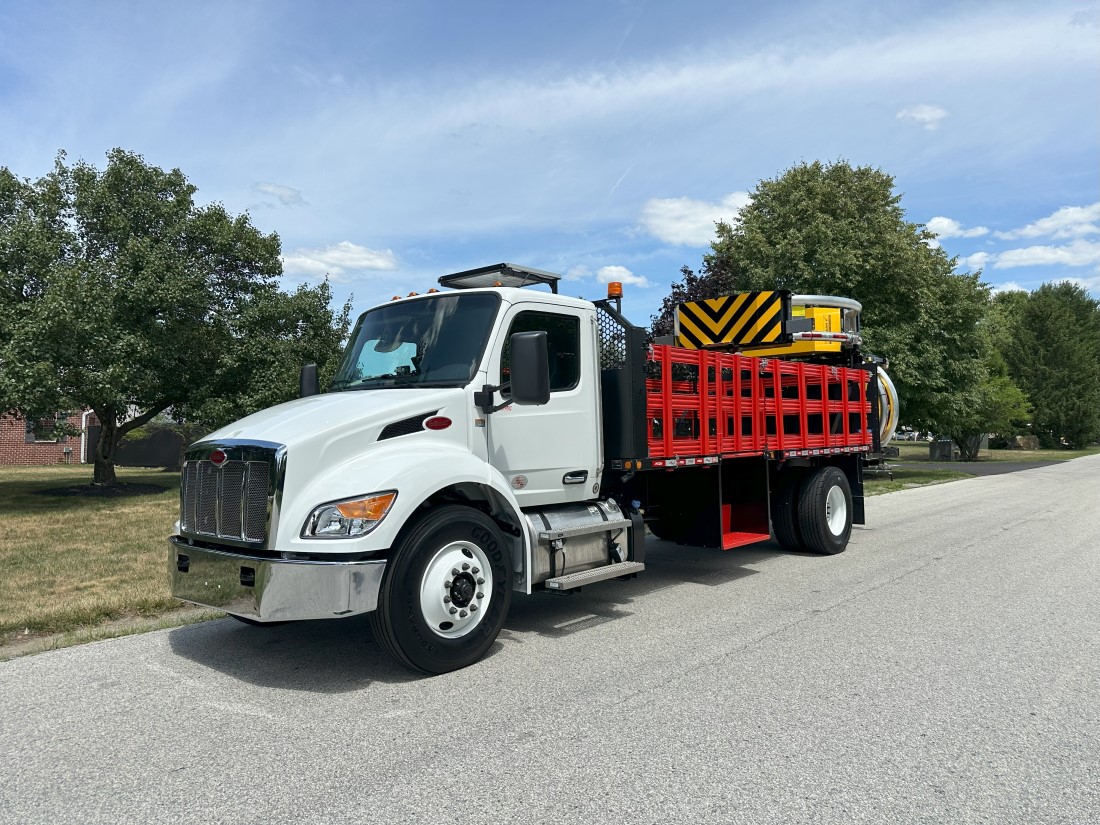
[
  {"x": 598, "y": 574},
  {"x": 583, "y": 530}
]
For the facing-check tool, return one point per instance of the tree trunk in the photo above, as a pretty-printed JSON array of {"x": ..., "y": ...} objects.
[{"x": 104, "y": 469}]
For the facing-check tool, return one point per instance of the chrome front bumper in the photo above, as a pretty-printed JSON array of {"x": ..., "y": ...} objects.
[{"x": 272, "y": 590}]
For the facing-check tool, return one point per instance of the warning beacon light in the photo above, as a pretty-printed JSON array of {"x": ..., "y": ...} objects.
[{"x": 615, "y": 289}]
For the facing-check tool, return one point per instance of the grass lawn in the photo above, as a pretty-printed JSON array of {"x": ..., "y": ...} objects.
[
  {"x": 918, "y": 451},
  {"x": 74, "y": 561},
  {"x": 908, "y": 477}
]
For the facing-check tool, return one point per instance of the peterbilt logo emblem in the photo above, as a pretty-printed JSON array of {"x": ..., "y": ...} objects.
[{"x": 218, "y": 457}]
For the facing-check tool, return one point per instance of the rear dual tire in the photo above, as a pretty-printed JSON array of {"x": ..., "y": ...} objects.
[{"x": 813, "y": 512}]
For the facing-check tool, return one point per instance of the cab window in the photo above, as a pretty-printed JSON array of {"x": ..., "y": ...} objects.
[{"x": 563, "y": 342}]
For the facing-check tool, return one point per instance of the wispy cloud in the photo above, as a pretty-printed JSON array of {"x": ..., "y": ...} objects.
[
  {"x": 689, "y": 222},
  {"x": 1067, "y": 222},
  {"x": 1008, "y": 286},
  {"x": 339, "y": 262},
  {"x": 1077, "y": 253},
  {"x": 607, "y": 274},
  {"x": 950, "y": 228},
  {"x": 926, "y": 115},
  {"x": 277, "y": 194}
]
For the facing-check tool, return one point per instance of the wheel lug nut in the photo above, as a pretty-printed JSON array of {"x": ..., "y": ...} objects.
[
  {"x": 454, "y": 571},
  {"x": 473, "y": 608},
  {"x": 447, "y": 583},
  {"x": 465, "y": 566},
  {"x": 476, "y": 570},
  {"x": 446, "y": 600},
  {"x": 481, "y": 581},
  {"x": 463, "y": 614},
  {"x": 453, "y": 610},
  {"x": 481, "y": 595}
]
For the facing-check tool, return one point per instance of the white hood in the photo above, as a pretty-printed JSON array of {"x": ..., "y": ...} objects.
[{"x": 337, "y": 425}]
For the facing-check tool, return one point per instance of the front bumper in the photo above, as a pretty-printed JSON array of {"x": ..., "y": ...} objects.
[{"x": 272, "y": 590}]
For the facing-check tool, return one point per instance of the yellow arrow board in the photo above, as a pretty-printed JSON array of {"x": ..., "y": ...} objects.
[{"x": 749, "y": 319}]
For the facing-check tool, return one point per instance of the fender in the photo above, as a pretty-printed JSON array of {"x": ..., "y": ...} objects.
[{"x": 417, "y": 474}]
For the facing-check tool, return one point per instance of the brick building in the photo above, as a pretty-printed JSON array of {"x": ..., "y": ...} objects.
[{"x": 29, "y": 442}]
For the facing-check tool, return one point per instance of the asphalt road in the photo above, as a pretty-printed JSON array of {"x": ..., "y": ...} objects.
[{"x": 945, "y": 669}]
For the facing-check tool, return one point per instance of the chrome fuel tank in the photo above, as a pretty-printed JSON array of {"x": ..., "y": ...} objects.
[{"x": 576, "y": 537}]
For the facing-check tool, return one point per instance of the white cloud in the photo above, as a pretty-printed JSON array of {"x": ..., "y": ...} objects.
[
  {"x": 687, "y": 221},
  {"x": 337, "y": 261},
  {"x": 951, "y": 228},
  {"x": 577, "y": 273},
  {"x": 284, "y": 195},
  {"x": 1008, "y": 286},
  {"x": 607, "y": 274},
  {"x": 977, "y": 261},
  {"x": 927, "y": 116},
  {"x": 1077, "y": 253},
  {"x": 1067, "y": 222}
]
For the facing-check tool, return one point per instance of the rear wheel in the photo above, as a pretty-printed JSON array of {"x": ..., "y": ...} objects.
[
  {"x": 446, "y": 591},
  {"x": 825, "y": 511},
  {"x": 784, "y": 511}
]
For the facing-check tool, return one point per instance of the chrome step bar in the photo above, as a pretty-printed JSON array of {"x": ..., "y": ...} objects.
[
  {"x": 594, "y": 527},
  {"x": 599, "y": 574}
]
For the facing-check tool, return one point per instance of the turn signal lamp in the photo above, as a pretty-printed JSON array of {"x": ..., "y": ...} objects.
[
  {"x": 413, "y": 294},
  {"x": 615, "y": 289}
]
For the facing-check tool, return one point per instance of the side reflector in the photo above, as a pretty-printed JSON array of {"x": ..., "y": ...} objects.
[{"x": 437, "y": 422}]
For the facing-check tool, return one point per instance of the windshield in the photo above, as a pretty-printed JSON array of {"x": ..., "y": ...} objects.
[{"x": 435, "y": 342}]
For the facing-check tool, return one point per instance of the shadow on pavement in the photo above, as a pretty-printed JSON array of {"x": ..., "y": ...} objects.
[{"x": 340, "y": 655}]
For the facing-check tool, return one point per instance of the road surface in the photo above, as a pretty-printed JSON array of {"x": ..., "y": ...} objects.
[{"x": 945, "y": 669}]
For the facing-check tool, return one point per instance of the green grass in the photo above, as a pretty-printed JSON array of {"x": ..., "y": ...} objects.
[
  {"x": 918, "y": 451},
  {"x": 72, "y": 562},
  {"x": 906, "y": 478}
]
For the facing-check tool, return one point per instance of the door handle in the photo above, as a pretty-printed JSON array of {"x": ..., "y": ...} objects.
[{"x": 575, "y": 477}]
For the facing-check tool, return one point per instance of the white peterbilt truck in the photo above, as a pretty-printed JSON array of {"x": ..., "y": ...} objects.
[{"x": 492, "y": 438}]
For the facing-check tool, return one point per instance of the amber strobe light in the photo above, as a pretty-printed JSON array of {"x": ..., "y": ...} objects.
[{"x": 615, "y": 289}]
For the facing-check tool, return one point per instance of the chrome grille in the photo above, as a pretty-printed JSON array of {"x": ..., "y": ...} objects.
[{"x": 230, "y": 502}]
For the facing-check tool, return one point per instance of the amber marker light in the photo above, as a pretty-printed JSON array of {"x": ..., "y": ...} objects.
[
  {"x": 615, "y": 289},
  {"x": 370, "y": 509}
]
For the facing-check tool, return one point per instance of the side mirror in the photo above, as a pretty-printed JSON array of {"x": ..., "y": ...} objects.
[
  {"x": 530, "y": 368},
  {"x": 308, "y": 383}
]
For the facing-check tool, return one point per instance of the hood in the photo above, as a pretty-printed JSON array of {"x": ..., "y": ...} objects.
[{"x": 335, "y": 426}]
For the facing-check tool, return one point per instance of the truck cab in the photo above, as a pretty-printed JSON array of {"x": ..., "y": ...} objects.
[{"x": 460, "y": 431}]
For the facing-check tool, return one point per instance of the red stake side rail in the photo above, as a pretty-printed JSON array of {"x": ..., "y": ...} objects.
[{"x": 707, "y": 403}]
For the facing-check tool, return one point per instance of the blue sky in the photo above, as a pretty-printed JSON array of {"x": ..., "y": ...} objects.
[{"x": 390, "y": 142}]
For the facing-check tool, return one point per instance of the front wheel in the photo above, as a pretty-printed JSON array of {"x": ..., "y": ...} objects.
[
  {"x": 825, "y": 511},
  {"x": 446, "y": 591}
]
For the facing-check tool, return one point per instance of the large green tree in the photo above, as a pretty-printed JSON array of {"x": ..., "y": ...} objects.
[
  {"x": 835, "y": 229},
  {"x": 119, "y": 293},
  {"x": 1050, "y": 340}
]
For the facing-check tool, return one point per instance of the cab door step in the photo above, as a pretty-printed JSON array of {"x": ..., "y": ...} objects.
[{"x": 599, "y": 574}]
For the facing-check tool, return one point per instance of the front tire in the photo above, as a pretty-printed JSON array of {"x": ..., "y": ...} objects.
[
  {"x": 446, "y": 591},
  {"x": 825, "y": 511}
]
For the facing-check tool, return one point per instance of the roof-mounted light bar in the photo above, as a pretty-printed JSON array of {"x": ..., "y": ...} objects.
[{"x": 500, "y": 275}]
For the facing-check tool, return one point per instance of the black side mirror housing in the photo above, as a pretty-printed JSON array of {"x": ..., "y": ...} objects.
[
  {"x": 530, "y": 368},
  {"x": 308, "y": 383}
]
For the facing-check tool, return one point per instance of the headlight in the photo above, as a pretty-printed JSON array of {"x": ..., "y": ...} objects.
[{"x": 349, "y": 518}]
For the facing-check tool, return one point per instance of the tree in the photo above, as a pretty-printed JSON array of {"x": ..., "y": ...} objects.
[
  {"x": 1050, "y": 340},
  {"x": 1000, "y": 407},
  {"x": 840, "y": 230},
  {"x": 120, "y": 294}
]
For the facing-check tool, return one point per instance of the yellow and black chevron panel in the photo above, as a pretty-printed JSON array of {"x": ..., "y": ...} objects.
[{"x": 749, "y": 319}]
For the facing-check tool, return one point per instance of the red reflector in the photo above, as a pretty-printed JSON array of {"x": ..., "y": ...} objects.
[
  {"x": 217, "y": 458},
  {"x": 437, "y": 422}
]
